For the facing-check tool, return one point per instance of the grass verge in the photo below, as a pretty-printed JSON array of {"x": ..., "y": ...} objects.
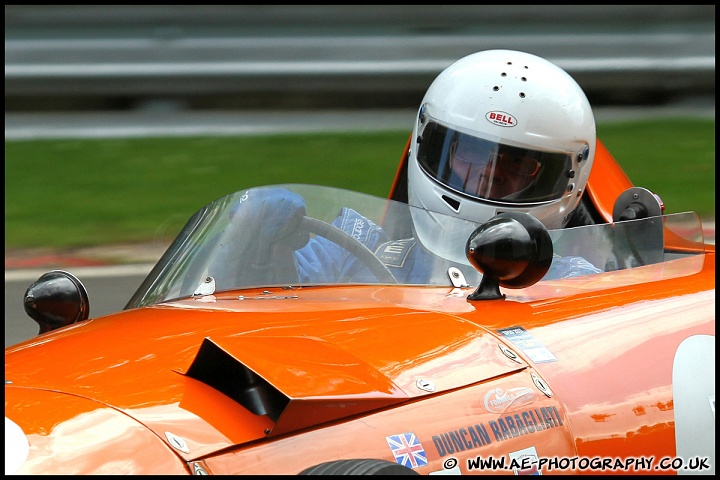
[{"x": 80, "y": 193}]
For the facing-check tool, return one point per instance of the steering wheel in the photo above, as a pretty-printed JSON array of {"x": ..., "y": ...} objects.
[{"x": 351, "y": 244}]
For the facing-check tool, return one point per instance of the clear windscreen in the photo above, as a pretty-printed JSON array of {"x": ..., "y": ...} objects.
[{"x": 305, "y": 235}]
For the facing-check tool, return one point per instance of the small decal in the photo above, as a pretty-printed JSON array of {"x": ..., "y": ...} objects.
[
  {"x": 395, "y": 252},
  {"x": 407, "y": 450},
  {"x": 499, "y": 400},
  {"x": 525, "y": 461},
  {"x": 501, "y": 119},
  {"x": 532, "y": 347}
]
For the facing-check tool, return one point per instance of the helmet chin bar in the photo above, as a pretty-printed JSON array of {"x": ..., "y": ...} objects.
[{"x": 512, "y": 249}]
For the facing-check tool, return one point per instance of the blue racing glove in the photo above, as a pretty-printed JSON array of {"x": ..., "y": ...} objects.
[
  {"x": 274, "y": 213},
  {"x": 264, "y": 231}
]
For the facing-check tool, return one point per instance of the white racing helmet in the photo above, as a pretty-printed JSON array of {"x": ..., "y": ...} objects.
[{"x": 499, "y": 131}]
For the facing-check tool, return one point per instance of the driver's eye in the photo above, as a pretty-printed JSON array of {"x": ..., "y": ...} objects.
[{"x": 520, "y": 165}]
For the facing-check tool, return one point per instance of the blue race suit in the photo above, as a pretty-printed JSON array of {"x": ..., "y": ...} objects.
[{"x": 322, "y": 261}]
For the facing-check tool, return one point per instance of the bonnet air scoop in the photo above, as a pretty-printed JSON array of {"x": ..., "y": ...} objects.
[
  {"x": 293, "y": 390},
  {"x": 217, "y": 368}
]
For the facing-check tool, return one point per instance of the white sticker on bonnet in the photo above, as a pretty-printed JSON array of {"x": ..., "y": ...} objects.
[{"x": 693, "y": 381}]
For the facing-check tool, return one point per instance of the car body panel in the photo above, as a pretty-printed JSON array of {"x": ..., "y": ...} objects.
[
  {"x": 70, "y": 435},
  {"x": 591, "y": 337}
]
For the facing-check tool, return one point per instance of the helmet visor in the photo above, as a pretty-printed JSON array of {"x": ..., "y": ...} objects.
[{"x": 491, "y": 170}]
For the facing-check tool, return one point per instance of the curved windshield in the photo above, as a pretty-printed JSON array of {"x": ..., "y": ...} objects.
[
  {"x": 494, "y": 171},
  {"x": 299, "y": 235},
  {"x": 303, "y": 235}
]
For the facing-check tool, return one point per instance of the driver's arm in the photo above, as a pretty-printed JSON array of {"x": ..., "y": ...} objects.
[{"x": 322, "y": 261}]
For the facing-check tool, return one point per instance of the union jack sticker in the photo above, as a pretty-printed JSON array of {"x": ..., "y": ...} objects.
[{"x": 407, "y": 450}]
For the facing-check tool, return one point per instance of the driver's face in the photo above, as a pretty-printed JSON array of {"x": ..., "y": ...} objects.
[{"x": 490, "y": 174}]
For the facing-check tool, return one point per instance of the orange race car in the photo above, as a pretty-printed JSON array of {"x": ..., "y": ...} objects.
[{"x": 235, "y": 357}]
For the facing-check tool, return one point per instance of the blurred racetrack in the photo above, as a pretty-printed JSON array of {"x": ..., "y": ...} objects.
[
  {"x": 124, "y": 57},
  {"x": 128, "y": 70},
  {"x": 159, "y": 123}
]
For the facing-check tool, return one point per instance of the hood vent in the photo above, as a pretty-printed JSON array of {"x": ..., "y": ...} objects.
[
  {"x": 217, "y": 368},
  {"x": 292, "y": 391}
]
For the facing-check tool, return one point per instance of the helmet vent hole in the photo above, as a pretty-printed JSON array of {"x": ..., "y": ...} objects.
[
  {"x": 496, "y": 88},
  {"x": 452, "y": 203},
  {"x": 503, "y": 74},
  {"x": 522, "y": 94},
  {"x": 524, "y": 79}
]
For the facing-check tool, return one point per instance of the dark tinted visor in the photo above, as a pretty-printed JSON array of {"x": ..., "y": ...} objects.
[{"x": 491, "y": 170}]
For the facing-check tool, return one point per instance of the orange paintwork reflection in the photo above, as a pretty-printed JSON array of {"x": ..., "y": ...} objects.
[
  {"x": 456, "y": 424},
  {"x": 68, "y": 435},
  {"x": 616, "y": 389},
  {"x": 135, "y": 360}
]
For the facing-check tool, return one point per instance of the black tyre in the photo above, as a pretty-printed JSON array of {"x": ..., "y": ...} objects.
[{"x": 360, "y": 466}]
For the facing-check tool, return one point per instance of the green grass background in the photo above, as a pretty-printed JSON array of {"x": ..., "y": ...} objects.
[{"x": 77, "y": 193}]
